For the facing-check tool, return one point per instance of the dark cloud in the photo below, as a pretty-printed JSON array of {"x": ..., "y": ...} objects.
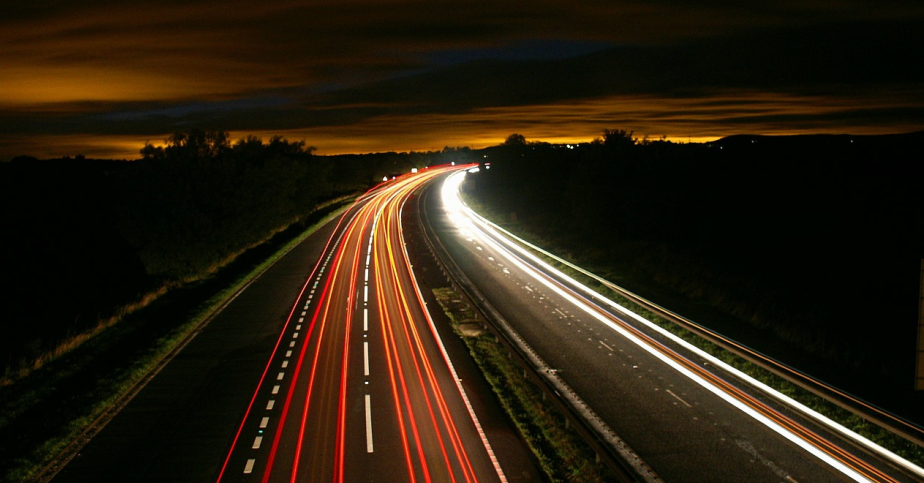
[{"x": 139, "y": 70}]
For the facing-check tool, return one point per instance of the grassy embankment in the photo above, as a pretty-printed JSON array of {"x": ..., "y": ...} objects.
[
  {"x": 114, "y": 263},
  {"x": 561, "y": 452},
  {"x": 72, "y": 392}
]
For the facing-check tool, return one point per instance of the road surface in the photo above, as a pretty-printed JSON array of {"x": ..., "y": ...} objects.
[
  {"x": 690, "y": 420},
  {"x": 351, "y": 382}
]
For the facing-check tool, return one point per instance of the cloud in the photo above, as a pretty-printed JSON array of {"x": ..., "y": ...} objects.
[{"x": 145, "y": 69}]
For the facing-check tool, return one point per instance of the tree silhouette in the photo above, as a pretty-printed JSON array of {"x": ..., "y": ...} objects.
[{"x": 515, "y": 140}]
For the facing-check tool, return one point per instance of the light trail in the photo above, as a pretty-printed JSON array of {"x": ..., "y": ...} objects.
[
  {"x": 472, "y": 226},
  {"x": 402, "y": 332},
  {"x": 306, "y": 430}
]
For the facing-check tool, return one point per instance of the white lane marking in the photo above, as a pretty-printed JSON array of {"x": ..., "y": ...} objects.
[
  {"x": 298, "y": 327},
  {"x": 295, "y": 335},
  {"x": 292, "y": 344},
  {"x": 527, "y": 288},
  {"x": 264, "y": 422},
  {"x": 257, "y": 442},
  {"x": 270, "y": 404},
  {"x": 365, "y": 320},
  {"x": 248, "y": 468},
  {"x": 365, "y": 293},
  {"x": 304, "y": 314},
  {"x": 604, "y": 345},
  {"x": 288, "y": 353},
  {"x": 366, "y": 358},
  {"x": 276, "y": 389},
  {"x": 367, "y": 275},
  {"x": 285, "y": 364},
  {"x": 678, "y": 398},
  {"x": 560, "y": 312},
  {"x": 368, "y": 424},
  {"x": 280, "y": 376},
  {"x": 301, "y": 319}
]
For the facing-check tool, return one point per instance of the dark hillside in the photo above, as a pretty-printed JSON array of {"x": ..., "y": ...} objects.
[
  {"x": 82, "y": 239},
  {"x": 63, "y": 257},
  {"x": 805, "y": 247}
]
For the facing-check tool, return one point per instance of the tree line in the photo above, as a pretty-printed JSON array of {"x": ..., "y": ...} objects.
[
  {"x": 808, "y": 247},
  {"x": 83, "y": 237}
]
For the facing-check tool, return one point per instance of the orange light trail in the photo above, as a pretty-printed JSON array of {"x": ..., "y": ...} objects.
[
  {"x": 310, "y": 437},
  {"x": 402, "y": 332}
]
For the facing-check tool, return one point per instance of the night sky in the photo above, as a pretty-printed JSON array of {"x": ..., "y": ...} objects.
[{"x": 102, "y": 77}]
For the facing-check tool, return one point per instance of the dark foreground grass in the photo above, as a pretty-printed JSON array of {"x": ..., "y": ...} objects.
[
  {"x": 49, "y": 411},
  {"x": 561, "y": 452}
]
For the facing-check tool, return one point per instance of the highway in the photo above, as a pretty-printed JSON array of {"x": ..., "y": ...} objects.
[
  {"x": 689, "y": 417},
  {"x": 327, "y": 367},
  {"x": 359, "y": 386}
]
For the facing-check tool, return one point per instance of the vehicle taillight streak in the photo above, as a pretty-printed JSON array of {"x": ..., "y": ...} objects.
[{"x": 409, "y": 391}]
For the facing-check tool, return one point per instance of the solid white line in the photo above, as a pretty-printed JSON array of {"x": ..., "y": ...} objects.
[
  {"x": 257, "y": 442},
  {"x": 366, "y": 358},
  {"x": 368, "y": 424},
  {"x": 248, "y": 468},
  {"x": 264, "y": 422}
]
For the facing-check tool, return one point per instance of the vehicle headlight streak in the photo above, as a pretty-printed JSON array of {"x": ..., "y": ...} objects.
[{"x": 471, "y": 225}]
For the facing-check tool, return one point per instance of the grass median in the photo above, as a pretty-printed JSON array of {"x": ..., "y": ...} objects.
[{"x": 562, "y": 453}]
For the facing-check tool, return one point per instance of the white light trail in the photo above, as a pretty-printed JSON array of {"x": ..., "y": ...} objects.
[{"x": 473, "y": 226}]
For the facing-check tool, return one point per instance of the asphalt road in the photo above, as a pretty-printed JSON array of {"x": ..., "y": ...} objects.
[
  {"x": 337, "y": 377},
  {"x": 683, "y": 430}
]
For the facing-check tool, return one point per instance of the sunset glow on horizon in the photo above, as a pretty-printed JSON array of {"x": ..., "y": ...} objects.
[{"x": 101, "y": 80}]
